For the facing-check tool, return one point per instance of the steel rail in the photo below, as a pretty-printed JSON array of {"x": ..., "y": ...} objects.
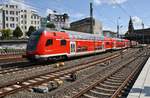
[
  {"x": 130, "y": 77},
  {"x": 77, "y": 95},
  {"x": 51, "y": 75}
]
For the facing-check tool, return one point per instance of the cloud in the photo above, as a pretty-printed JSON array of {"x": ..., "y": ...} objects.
[
  {"x": 50, "y": 11},
  {"x": 110, "y": 2},
  {"x": 137, "y": 22},
  {"x": 97, "y": 2}
]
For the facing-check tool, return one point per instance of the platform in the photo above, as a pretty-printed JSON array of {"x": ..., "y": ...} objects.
[{"x": 141, "y": 88}]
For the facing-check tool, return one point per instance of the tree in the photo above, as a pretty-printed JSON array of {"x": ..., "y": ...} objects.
[
  {"x": 31, "y": 29},
  {"x": 6, "y": 33},
  {"x": 17, "y": 32},
  {"x": 50, "y": 25}
]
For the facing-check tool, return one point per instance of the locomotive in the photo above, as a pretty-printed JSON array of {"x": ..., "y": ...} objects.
[{"x": 46, "y": 44}]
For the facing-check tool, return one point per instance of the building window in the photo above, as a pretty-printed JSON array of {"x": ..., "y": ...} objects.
[
  {"x": 16, "y": 18},
  {"x": 21, "y": 16},
  {"x": 25, "y": 16},
  {"x": 11, "y": 12},
  {"x": 7, "y": 25},
  {"x": 6, "y": 5},
  {"x": 12, "y": 25},
  {"x": 6, "y": 18},
  {"x": 31, "y": 22},
  {"x": 34, "y": 22},
  {"x": 25, "y": 22},
  {"x": 22, "y": 21},
  {"x": 11, "y": 6},
  {"x": 16, "y": 13},
  {"x": 12, "y": 19},
  {"x": 6, "y": 12},
  {"x": 25, "y": 27}
]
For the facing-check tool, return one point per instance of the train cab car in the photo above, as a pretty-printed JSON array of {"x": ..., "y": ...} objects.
[{"x": 46, "y": 43}]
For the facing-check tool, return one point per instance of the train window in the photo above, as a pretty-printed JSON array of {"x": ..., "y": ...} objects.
[
  {"x": 49, "y": 42},
  {"x": 63, "y": 42},
  {"x": 107, "y": 43}
]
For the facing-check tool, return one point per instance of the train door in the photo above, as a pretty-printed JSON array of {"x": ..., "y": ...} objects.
[{"x": 72, "y": 47}]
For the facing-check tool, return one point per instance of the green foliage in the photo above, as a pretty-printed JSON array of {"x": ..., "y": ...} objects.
[
  {"x": 50, "y": 25},
  {"x": 31, "y": 29},
  {"x": 6, "y": 33},
  {"x": 17, "y": 32}
]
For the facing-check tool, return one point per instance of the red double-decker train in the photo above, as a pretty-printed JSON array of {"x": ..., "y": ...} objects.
[{"x": 46, "y": 44}]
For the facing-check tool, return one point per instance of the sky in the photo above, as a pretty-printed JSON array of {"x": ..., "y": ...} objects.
[{"x": 106, "y": 11}]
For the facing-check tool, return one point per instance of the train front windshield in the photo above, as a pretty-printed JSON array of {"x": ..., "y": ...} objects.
[{"x": 33, "y": 40}]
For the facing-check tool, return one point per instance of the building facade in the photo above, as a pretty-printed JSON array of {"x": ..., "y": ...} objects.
[
  {"x": 59, "y": 20},
  {"x": 11, "y": 16},
  {"x": 43, "y": 22},
  {"x": 84, "y": 25},
  {"x": 29, "y": 18}
]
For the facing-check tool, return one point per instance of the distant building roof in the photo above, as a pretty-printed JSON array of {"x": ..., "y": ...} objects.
[
  {"x": 143, "y": 31},
  {"x": 109, "y": 31},
  {"x": 85, "y": 20}
]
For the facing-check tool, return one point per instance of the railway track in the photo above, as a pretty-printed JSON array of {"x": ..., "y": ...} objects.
[
  {"x": 10, "y": 76},
  {"x": 111, "y": 86},
  {"x": 18, "y": 85},
  {"x": 37, "y": 80},
  {"x": 11, "y": 70},
  {"x": 28, "y": 64},
  {"x": 103, "y": 83}
]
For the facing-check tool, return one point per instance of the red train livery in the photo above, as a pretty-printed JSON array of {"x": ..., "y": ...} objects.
[{"x": 47, "y": 44}]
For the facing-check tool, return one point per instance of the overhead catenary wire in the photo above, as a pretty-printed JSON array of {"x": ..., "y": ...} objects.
[{"x": 123, "y": 10}]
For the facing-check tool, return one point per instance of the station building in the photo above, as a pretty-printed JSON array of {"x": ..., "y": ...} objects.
[{"x": 140, "y": 35}]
